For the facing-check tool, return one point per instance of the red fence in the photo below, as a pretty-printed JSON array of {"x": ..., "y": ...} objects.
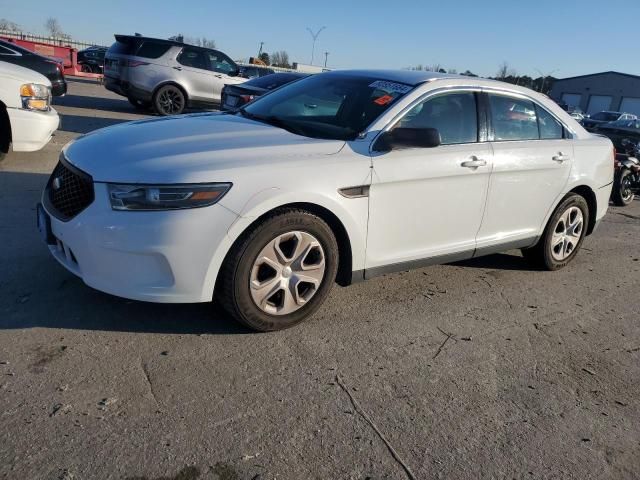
[{"x": 66, "y": 56}]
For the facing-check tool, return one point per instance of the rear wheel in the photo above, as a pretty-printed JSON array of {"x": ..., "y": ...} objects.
[
  {"x": 622, "y": 194},
  {"x": 563, "y": 235},
  {"x": 169, "y": 100},
  {"x": 280, "y": 273}
]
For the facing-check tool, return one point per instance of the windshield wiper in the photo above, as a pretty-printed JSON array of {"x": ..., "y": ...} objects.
[{"x": 271, "y": 120}]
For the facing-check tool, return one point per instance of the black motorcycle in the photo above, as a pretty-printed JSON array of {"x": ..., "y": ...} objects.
[{"x": 626, "y": 182}]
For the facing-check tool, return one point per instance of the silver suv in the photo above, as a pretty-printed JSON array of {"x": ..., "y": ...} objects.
[{"x": 167, "y": 75}]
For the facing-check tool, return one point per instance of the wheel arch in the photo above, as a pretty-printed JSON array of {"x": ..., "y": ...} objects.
[
  {"x": 5, "y": 126},
  {"x": 589, "y": 195},
  {"x": 345, "y": 251},
  {"x": 175, "y": 84}
]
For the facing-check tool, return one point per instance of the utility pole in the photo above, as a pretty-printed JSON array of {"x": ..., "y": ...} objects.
[
  {"x": 326, "y": 55},
  {"x": 260, "y": 51},
  {"x": 544, "y": 78},
  {"x": 314, "y": 36}
]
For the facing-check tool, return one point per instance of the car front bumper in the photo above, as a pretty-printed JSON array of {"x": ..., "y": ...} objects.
[
  {"x": 164, "y": 257},
  {"x": 31, "y": 130}
]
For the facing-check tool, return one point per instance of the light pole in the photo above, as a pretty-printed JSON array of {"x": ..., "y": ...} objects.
[
  {"x": 326, "y": 55},
  {"x": 260, "y": 51},
  {"x": 314, "y": 36}
]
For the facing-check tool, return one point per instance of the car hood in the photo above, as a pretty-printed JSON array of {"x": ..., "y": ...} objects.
[{"x": 189, "y": 148}]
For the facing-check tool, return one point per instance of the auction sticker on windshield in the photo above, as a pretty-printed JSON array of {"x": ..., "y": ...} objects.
[{"x": 390, "y": 87}]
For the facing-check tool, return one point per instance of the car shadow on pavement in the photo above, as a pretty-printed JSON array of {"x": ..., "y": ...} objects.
[
  {"x": 82, "y": 124},
  {"x": 98, "y": 103},
  {"x": 499, "y": 261}
]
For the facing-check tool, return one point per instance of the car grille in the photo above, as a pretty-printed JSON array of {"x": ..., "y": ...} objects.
[{"x": 68, "y": 191}]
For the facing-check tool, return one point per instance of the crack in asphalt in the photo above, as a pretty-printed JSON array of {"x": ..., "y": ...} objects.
[
  {"x": 364, "y": 415},
  {"x": 145, "y": 372}
]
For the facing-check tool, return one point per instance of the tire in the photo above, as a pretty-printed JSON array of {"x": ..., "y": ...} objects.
[
  {"x": 139, "y": 104},
  {"x": 621, "y": 195},
  {"x": 251, "y": 290},
  {"x": 169, "y": 100},
  {"x": 548, "y": 253}
]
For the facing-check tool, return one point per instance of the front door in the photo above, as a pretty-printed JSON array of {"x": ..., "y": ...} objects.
[
  {"x": 194, "y": 65},
  {"x": 223, "y": 72},
  {"x": 427, "y": 203}
]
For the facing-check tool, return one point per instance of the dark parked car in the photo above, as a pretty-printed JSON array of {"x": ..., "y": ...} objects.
[
  {"x": 619, "y": 131},
  {"x": 601, "y": 118},
  {"x": 92, "y": 59},
  {"x": 234, "y": 96},
  {"x": 254, "y": 71},
  {"x": 12, "y": 53}
]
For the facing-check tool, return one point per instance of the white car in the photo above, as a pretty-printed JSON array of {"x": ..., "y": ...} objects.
[
  {"x": 27, "y": 120},
  {"x": 341, "y": 176}
]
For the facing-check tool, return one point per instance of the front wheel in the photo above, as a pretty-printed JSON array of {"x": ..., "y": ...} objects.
[
  {"x": 279, "y": 273},
  {"x": 563, "y": 235},
  {"x": 169, "y": 100},
  {"x": 622, "y": 194}
]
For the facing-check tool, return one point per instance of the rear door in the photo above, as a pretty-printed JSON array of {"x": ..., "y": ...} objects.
[{"x": 532, "y": 157}]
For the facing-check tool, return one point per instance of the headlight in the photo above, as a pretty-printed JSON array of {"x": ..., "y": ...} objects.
[
  {"x": 165, "y": 197},
  {"x": 35, "y": 96}
]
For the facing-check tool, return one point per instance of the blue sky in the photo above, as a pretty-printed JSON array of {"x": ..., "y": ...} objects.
[{"x": 571, "y": 37}]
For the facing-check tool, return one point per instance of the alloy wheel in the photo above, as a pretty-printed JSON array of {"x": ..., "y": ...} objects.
[
  {"x": 171, "y": 101},
  {"x": 625, "y": 189},
  {"x": 287, "y": 273},
  {"x": 567, "y": 233}
]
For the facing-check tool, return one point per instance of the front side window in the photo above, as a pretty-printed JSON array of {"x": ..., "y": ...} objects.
[
  {"x": 192, "y": 58},
  {"x": 513, "y": 118},
  {"x": 328, "y": 105},
  {"x": 454, "y": 115},
  {"x": 221, "y": 63}
]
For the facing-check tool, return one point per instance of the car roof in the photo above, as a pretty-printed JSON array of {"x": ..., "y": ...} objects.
[
  {"x": 126, "y": 38},
  {"x": 409, "y": 77}
]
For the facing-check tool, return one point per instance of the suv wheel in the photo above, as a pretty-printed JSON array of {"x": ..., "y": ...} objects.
[
  {"x": 281, "y": 272},
  {"x": 169, "y": 100},
  {"x": 563, "y": 235}
]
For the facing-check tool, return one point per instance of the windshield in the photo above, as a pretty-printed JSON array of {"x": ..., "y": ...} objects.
[
  {"x": 332, "y": 106},
  {"x": 605, "y": 116}
]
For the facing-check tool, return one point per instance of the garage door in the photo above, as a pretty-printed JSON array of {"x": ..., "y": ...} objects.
[
  {"x": 630, "y": 105},
  {"x": 598, "y": 103},
  {"x": 572, "y": 99}
]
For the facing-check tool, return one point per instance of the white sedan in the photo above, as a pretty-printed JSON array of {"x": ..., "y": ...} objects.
[{"x": 338, "y": 177}]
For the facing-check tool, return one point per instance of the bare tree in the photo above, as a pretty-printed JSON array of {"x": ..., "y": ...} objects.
[
  {"x": 280, "y": 59},
  {"x": 436, "y": 67},
  {"x": 8, "y": 25},
  {"x": 54, "y": 28},
  {"x": 505, "y": 71},
  {"x": 452, "y": 71}
]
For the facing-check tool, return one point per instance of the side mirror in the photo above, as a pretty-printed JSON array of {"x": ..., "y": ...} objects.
[{"x": 408, "y": 138}]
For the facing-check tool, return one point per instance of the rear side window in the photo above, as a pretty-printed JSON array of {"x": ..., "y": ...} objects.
[
  {"x": 550, "y": 128},
  {"x": 454, "y": 115},
  {"x": 123, "y": 48},
  {"x": 513, "y": 118},
  {"x": 192, "y": 58},
  {"x": 152, "y": 49}
]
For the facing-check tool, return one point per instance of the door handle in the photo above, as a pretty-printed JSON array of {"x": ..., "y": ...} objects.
[
  {"x": 474, "y": 162},
  {"x": 560, "y": 157},
  {"x": 177, "y": 68}
]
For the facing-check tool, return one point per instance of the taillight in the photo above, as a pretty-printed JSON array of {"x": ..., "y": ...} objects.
[{"x": 136, "y": 63}]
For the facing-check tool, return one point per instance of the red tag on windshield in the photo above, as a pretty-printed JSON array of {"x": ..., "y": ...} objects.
[{"x": 383, "y": 100}]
